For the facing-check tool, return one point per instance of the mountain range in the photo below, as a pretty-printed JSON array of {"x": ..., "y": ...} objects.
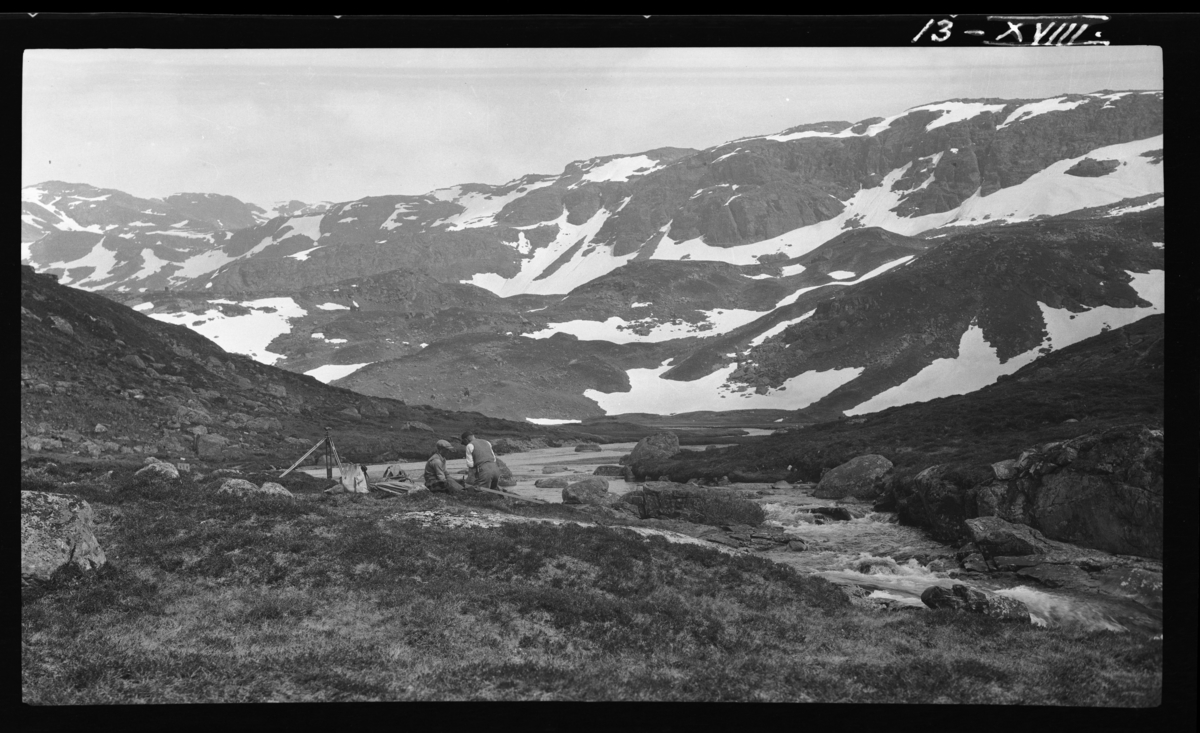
[{"x": 830, "y": 269}]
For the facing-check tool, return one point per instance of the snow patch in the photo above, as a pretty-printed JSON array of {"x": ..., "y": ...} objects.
[
  {"x": 616, "y": 330},
  {"x": 143, "y": 306},
  {"x": 330, "y": 372},
  {"x": 778, "y": 328},
  {"x": 620, "y": 169},
  {"x": 841, "y": 274},
  {"x": 1033, "y": 109},
  {"x": 333, "y": 307},
  {"x": 550, "y": 421},
  {"x": 955, "y": 112},
  {"x": 480, "y": 209},
  {"x": 651, "y": 393},
  {"x": 248, "y": 334},
  {"x": 150, "y": 265}
]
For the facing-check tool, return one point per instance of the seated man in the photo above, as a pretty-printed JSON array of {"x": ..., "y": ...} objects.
[
  {"x": 436, "y": 478},
  {"x": 481, "y": 462}
]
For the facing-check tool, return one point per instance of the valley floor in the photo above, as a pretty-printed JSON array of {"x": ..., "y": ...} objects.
[{"x": 210, "y": 598}]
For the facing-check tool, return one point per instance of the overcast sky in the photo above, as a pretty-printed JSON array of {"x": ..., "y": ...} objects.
[{"x": 313, "y": 124}]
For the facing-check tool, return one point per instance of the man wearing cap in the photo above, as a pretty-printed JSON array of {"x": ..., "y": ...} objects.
[
  {"x": 436, "y": 478},
  {"x": 481, "y": 462}
]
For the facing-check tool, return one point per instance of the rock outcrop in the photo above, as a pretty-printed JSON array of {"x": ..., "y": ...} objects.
[
  {"x": 859, "y": 478},
  {"x": 701, "y": 505},
  {"x": 1099, "y": 490},
  {"x": 964, "y": 598},
  {"x": 56, "y": 532}
]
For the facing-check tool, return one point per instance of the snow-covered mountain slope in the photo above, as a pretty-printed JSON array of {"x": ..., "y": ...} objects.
[{"x": 713, "y": 271}]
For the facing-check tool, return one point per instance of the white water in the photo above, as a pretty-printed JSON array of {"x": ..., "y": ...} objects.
[{"x": 861, "y": 552}]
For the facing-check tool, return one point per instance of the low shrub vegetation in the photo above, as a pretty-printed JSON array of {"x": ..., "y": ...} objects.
[{"x": 213, "y": 598}]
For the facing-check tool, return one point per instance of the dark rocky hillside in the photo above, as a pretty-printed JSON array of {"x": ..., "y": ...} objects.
[
  {"x": 100, "y": 380},
  {"x": 900, "y": 321},
  {"x": 1111, "y": 379}
]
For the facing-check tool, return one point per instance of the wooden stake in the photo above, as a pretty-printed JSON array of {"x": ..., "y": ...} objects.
[{"x": 306, "y": 455}]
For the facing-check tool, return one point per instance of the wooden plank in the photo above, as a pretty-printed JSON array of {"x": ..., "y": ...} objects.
[
  {"x": 306, "y": 455},
  {"x": 381, "y": 488},
  {"x": 509, "y": 494}
]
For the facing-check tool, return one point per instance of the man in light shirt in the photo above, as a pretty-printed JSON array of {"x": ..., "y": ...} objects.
[{"x": 482, "y": 470}]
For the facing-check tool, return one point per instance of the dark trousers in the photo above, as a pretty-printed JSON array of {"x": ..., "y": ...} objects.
[{"x": 487, "y": 476}]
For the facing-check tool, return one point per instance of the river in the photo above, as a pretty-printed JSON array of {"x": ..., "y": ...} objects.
[{"x": 873, "y": 552}]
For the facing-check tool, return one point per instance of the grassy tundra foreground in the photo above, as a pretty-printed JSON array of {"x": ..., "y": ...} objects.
[{"x": 210, "y": 598}]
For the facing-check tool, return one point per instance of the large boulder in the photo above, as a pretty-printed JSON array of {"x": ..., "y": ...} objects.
[
  {"x": 654, "y": 447},
  {"x": 697, "y": 504},
  {"x": 996, "y": 538},
  {"x": 506, "y": 475},
  {"x": 158, "y": 469},
  {"x": 210, "y": 446},
  {"x": 591, "y": 490},
  {"x": 858, "y": 478},
  {"x": 243, "y": 488},
  {"x": 56, "y": 531},
  {"x": 964, "y": 598}
]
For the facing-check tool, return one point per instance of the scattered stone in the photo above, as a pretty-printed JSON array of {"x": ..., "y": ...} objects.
[
  {"x": 242, "y": 487},
  {"x": 277, "y": 390},
  {"x": 552, "y": 483},
  {"x": 159, "y": 469},
  {"x": 710, "y": 447},
  {"x": 723, "y": 481},
  {"x": 553, "y": 469},
  {"x": 198, "y": 430},
  {"x": 964, "y": 598},
  {"x": 587, "y": 447},
  {"x": 56, "y": 531},
  {"x": 839, "y": 513},
  {"x": 414, "y": 425},
  {"x": 243, "y": 382},
  {"x": 781, "y": 485},
  {"x": 63, "y": 325},
  {"x": 609, "y": 471},
  {"x": 134, "y": 360},
  {"x": 797, "y": 546},
  {"x": 859, "y": 477}
]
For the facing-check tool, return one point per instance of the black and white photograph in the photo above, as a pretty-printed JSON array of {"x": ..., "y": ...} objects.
[{"x": 523, "y": 373}]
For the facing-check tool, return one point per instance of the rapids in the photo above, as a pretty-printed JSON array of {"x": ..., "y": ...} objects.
[{"x": 894, "y": 563}]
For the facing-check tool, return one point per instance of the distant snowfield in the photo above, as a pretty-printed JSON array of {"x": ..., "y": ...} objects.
[
  {"x": 101, "y": 259},
  {"x": 480, "y": 209},
  {"x": 977, "y": 365},
  {"x": 1033, "y": 109},
  {"x": 585, "y": 265},
  {"x": 722, "y": 320},
  {"x": 246, "y": 334},
  {"x": 650, "y": 393},
  {"x": 150, "y": 265},
  {"x": 330, "y": 372},
  {"x": 955, "y": 112},
  {"x": 550, "y": 421}
]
